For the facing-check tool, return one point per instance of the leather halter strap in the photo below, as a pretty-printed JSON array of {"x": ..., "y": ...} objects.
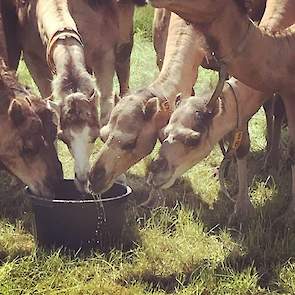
[
  {"x": 238, "y": 135},
  {"x": 61, "y": 34}
]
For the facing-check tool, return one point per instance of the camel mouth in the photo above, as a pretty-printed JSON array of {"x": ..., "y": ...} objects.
[
  {"x": 99, "y": 186},
  {"x": 161, "y": 179}
]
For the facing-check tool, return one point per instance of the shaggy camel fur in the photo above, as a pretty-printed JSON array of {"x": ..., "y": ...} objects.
[
  {"x": 27, "y": 135},
  {"x": 204, "y": 124}
]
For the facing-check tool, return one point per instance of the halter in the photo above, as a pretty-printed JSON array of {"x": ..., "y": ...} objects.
[
  {"x": 238, "y": 135},
  {"x": 61, "y": 34}
]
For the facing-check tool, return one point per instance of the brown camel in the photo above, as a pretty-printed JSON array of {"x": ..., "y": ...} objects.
[
  {"x": 179, "y": 153},
  {"x": 106, "y": 29},
  {"x": 27, "y": 135},
  {"x": 161, "y": 24}
]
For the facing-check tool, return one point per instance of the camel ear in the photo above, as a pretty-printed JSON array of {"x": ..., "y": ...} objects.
[
  {"x": 53, "y": 106},
  {"x": 104, "y": 133},
  {"x": 178, "y": 99},
  {"x": 117, "y": 98},
  {"x": 15, "y": 113},
  {"x": 12, "y": 44},
  {"x": 151, "y": 108},
  {"x": 158, "y": 110}
]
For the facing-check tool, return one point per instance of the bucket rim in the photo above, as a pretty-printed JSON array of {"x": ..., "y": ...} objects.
[{"x": 40, "y": 200}]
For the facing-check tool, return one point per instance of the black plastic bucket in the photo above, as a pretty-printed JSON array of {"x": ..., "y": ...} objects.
[{"x": 78, "y": 221}]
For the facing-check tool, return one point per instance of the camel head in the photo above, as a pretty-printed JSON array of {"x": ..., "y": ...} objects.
[
  {"x": 27, "y": 147},
  {"x": 130, "y": 135},
  {"x": 79, "y": 129},
  {"x": 187, "y": 139}
]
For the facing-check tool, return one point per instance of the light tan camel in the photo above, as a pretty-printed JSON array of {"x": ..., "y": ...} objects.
[
  {"x": 137, "y": 119},
  {"x": 178, "y": 153},
  {"x": 27, "y": 135},
  {"x": 274, "y": 109},
  {"x": 127, "y": 142}
]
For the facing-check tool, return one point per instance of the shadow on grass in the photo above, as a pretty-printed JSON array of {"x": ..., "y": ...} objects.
[{"x": 266, "y": 243}]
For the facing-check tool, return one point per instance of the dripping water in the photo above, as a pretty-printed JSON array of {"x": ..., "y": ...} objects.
[{"x": 101, "y": 216}]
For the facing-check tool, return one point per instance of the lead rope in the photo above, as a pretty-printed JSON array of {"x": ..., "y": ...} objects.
[{"x": 230, "y": 152}]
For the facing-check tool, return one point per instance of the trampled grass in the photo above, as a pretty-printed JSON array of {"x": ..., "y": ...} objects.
[{"x": 186, "y": 248}]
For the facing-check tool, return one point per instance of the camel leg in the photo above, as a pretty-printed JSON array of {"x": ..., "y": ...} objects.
[
  {"x": 160, "y": 33},
  {"x": 272, "y": 157},
  {"x": 104, "y": 70},
  {"x": 125, "y": 44},
  {"x": 243, "y": 205},
  {"x": 123, "y": 54},
  {"x": 40, "y": 73},
  {"x": 289, "y": 216},
  {"x": 268, "y": 109}
]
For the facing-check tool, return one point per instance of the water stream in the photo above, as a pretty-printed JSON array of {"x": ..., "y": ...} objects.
[{"x": 101, "y": 216}]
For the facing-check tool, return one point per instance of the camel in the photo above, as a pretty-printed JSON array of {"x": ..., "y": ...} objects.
[
  {"x": 178, "y": 153},
  {"x": 28, "y": 133},
  {"x": 191, "y": 134},
  {"x": 69, "y": 56},
  {"x": 127, "y": 143}
]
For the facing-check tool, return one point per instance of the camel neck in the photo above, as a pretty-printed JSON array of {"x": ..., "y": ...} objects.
[
  {"x": 68, "y": 56},
  {"x": 256, "y": 59},
  {"x": 184, "y": 53}
]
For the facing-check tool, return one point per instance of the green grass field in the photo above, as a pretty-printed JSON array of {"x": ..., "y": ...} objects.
[{"x": 186, "y": 248}]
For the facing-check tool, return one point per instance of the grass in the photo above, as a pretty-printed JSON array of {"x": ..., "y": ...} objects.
[{"x": 187, "y": 248}]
